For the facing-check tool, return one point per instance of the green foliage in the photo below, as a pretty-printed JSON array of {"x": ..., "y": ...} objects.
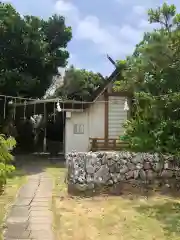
[
  {"x": 31, "y": 50},
  {"x": 79, "y": 84},
  {"x": 153, "y": 75},
  {"x": 121, "y": 84},
  {"x": 6, "y": 168}
]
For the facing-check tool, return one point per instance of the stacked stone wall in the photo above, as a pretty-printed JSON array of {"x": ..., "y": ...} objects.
[{"x": 91, "y": 170}]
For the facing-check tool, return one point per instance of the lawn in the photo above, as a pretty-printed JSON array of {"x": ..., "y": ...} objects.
[
  {"x": 9, "y": 194},
  {"x": 113, "y": 218}
]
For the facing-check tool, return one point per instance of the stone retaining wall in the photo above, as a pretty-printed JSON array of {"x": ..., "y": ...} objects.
[{"x": 99, "y": 169}]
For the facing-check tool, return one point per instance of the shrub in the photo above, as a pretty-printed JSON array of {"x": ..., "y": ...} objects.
[
  {"x": 6, "y": 158},
  {"x": 155, "y": 126}
]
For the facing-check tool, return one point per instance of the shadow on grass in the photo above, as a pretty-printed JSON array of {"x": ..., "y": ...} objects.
[
  {"x": 168, "y": 214},
  {"x": 30, "y": 164}
]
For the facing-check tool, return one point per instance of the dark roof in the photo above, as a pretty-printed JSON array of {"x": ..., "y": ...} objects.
[
  {"x": 104, "y": 86},
  {"x": 37, "y": 107}
]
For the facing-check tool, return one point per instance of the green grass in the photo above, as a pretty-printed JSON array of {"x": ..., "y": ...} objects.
[
  {"x": 9, "y": 194},
  {"x": 112, "y": 217}
]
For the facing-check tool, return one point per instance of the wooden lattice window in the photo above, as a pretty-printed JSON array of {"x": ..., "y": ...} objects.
[{"x": 78, "y": 128}]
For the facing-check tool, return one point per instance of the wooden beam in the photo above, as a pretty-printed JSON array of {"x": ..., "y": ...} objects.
[
  {"x": 111, "y": 60},
  {"x": 120, "y": 94},
  {"x": 106, "y": 112},
  {"x": 99, "y": 144}
]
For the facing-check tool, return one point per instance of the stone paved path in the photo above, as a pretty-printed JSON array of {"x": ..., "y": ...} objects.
[{"x": 30, "y": 216}]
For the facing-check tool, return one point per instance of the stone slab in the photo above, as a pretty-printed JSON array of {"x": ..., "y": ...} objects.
[
  {"x": 37, "y": 208},
  {"x": 39, "y": 235},
  {"x": 39, "y": 226},
  {"x": 16, "y": 229},
  {"x": 30, "y": 217},
  {"x": 23, "y": 201},
  {"x": 28, "y": 191},
  {"x": 19, "y": 211},
  {"x": 17, "y": 220},
  {"x": 39, "y": 204},
  {"x": 17, "y": 234},
  {"x": 16, "y": 239},
  {"x": 43, "y": 193},
  {"x": 41, "y": 199},
  {"x": 41, "y": 219},
  {"x": 17, "y": 225},
  {"x": 45, "y": 213}
]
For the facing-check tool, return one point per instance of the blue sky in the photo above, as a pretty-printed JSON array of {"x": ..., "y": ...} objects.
[{"x": 100, "y": 27}]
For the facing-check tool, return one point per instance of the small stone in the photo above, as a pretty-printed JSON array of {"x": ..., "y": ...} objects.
[
  {"x": 147, "y": 165},
  {"x": 124, "y": 169},
  {"x": 131, "y": 166},
  {"x": 89, "y": 179},
  {"x": 167, "y": 173},
  {"x": 142, "y": 174},
  {"x": 129, "y": 174},
  {"x": 100, "y": 155},
  {"x": 139, "y": 166},
  {"x": 104, "y": 159},
  {"x": 113, "y": 168},
  {"x": 157, "y": 166},
  {"x": 81, "y": 179},
  {"x": 90, "y": 186},
  {"x": 115, "y": 179},
  {"x": 103, "y": 172},
  {"x": 120, "y": 177},
  {"x": 136, "y": 174},
  {"x": 81, "y": 187},
  {"x": 110, "y": 182},
  {"x": 90, "y": 169},
  {"x": 150, "y": 175},
  {"x": 123, "y": 162},
  {"x": 137, "y": 159},
  {"x": 177, "y": 174},
  {"x": 156, "y": 157},
  {"x": 116, "y": 157},
  {"x": 110, "y": 162},
  {"x": 166, "y": 165}
]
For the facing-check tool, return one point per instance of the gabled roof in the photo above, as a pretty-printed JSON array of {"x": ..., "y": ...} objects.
[
  {"x": 100, "y": 90},
  {"x": 67, "y": 104},
  {"x": 106, "y": 84}
]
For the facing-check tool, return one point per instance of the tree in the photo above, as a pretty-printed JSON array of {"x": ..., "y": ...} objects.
[
  {"x": 79, "y": 84},
  {"x": 31, "y": 50},
  {"x": 6, "y": 167},
  {"x": 121, "y": 84},
  {"x": 152, "y": 74}
]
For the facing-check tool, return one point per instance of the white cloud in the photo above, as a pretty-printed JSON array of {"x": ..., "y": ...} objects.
[
  {"x": 109, "y": 39},
  {"x": 140, "y": 10},
  {"x": 118, "y": 41},
  {"x": 147, "y": 4},
  {"x": 133, "y": 3},
  {"x": 68, "y": 10},
  {"x": 115, "y": 40},
  {"x": 90, "y": 29}
]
